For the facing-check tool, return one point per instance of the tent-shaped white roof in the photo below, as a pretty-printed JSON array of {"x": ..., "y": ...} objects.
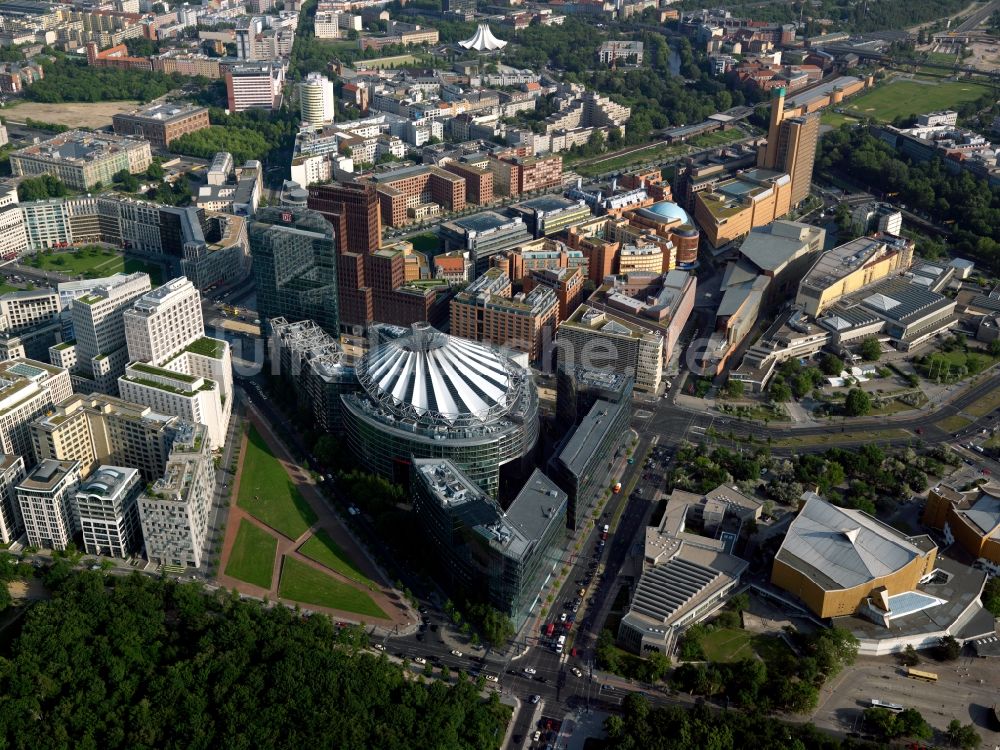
[{"x": 483, "y": 40}]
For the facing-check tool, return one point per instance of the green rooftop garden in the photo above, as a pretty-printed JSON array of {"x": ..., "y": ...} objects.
[
  {"x": 207, "y": 347},
  {"x": 159, "y": 371}
]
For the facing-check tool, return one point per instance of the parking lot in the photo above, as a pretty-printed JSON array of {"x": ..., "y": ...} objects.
[{"x": 965, "y": 690}]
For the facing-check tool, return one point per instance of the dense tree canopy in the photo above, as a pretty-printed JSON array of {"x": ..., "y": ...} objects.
[
  {"x": 967, "y": 203},
  {"x": 642, "y": 727},
  {"x": 71, "y": 81},
  {"x": 140, "y": 663},
  {"x": 242, "y": 143},
  {"x": 40, "y": 188}
]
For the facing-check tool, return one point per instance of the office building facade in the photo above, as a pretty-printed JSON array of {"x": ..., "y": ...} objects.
[
  {"x": 174, "y": 511},
  {"x": 295, "y": 266},
  {"x": 11, "y": 475},
  {"x": 161, "y": 123},
  {"x": 489, "y": 555},
  {"x": 46, "y": 499},
  {"x": 108, "y": 509}
]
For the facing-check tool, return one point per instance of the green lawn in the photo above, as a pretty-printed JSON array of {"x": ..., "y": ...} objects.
[
  {"x": 428, "y": 242},
  {"x": 4, "y": 288},
  {"x": 94, "y": 264},
  {"x": 268, "y": 494},
  {"x": 300, "y": 583},
  {"x": 321, "y": 548},
  {"x": 733, "y": 644},
  {"x": 716, "y": 138},
  {"x": 941, "y": 58},
  {"x": 903, "y": 98},
  {"x": 835, "y": 119},
  {"x": 651, "y": 153},
  {"x": 954, "y": 423},
  {"x": 252, "y": 558},
  {"x": 983, "y": 406},
  {"x": 843, "y": 437}
]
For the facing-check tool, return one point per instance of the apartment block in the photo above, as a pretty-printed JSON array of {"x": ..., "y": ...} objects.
[
  {"x": 81, "y": 159},
  {"x": 100, "y": 429},
  {"x": 11, "y": 475},
  {"x": 486, "y": 311},
  {"x": 45, "y": 498},
  {"x": 209, "y": 246},
  {"x": 193, "y": 398},
  {"x": 164, "y": 321},
  {"x": 478, "y": 182},
  {"x": 611, "y": 52},
  {"x": 99, "y": 327},
  {"x": 255, "y": 86},
  {"x": 108, "y": 508},
  {"x": 404, "y": 193},
  {"x": 515, "y": 175},
  {"x": 13, "y": 238},
  {"x": 174, "y": 511},
  {"x": 20, "y": 311},
  {"x": 565, "y": 283},
  {"x": 161, "y": 123},
  {"x": 28, "y": 389}
]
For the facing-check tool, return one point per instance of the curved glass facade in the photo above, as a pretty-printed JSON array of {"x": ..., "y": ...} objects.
[{"x": 385, "y": 445}]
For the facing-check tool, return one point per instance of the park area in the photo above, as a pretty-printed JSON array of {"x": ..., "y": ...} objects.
[
  {"x": 733, "y": 644},
  {"x": 902, "y": 98},
  {"x": 92, "y": 115},
  {"x": 252, "y": 558},
  {"x": 325, "y": 551},
  {"x": 320, "y": 572},
  {"x": 92, "y": 262},
  {"x": 268, "y": 494},
  {"x": 304, "y": 584}
]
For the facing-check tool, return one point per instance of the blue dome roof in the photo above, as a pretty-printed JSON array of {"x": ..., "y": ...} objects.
[{"x": 669, "y": 210}]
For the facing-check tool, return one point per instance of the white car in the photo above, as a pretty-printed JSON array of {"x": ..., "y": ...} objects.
[
  {"x": 577, "y": 672},
  {"x": 380, "y": 647},
  {"x": 456, "y": 652},
  {"x": 419, "y": 660},
  {"x": 534, "y": 699},
  {"x": 562, "y": 617},
  {"x": 492, "y": 678},
  {"x": 530, "y": 670}
]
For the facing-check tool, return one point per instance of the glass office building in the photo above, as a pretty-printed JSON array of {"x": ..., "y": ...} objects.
[
  {"x": 486, "y": 553},
  {"x": 295, "y": 266}
]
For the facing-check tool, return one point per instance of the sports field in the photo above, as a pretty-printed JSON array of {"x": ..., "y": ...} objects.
[{"x": 901, "y": 98}]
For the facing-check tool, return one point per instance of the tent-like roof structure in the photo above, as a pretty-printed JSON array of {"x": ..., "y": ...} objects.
[
  {"x": 483, "y": 40},
  {"x": 430, "y": 376}
]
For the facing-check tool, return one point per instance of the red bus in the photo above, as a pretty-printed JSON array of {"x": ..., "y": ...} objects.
[{"x": 550, "y": 629}]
